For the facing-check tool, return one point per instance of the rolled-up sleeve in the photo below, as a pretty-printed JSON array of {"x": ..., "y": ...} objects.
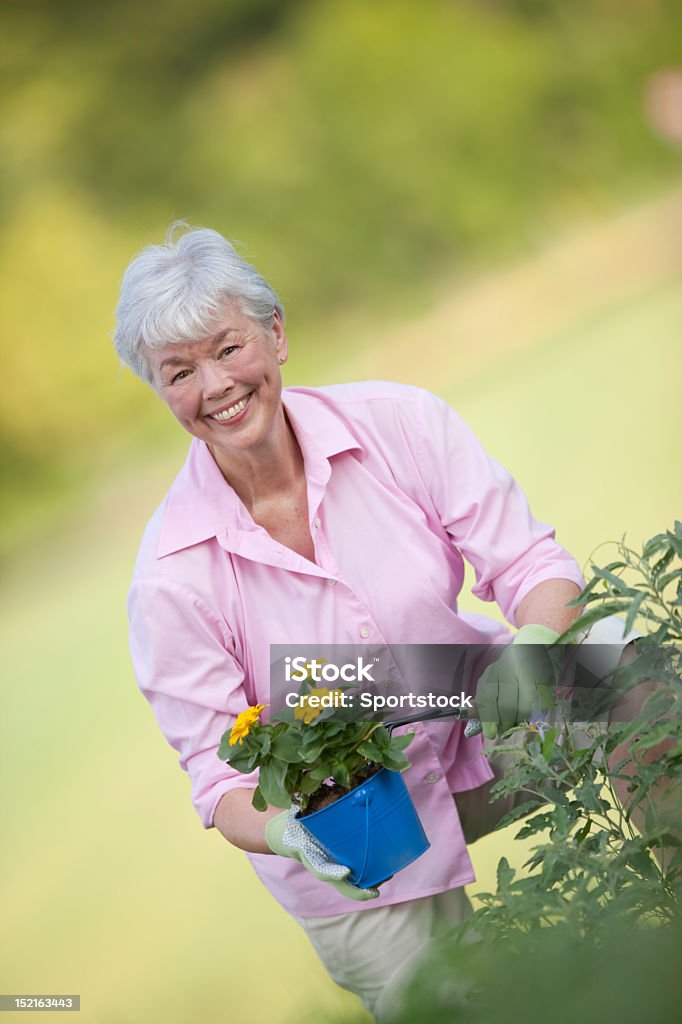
[
  {"x": 486, "y": 513},
  {"x": 185, "y": 668}
]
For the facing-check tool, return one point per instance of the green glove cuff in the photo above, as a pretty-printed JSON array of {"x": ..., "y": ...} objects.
[
  {"x": 274, "y": 830},
  {"x": 534, "y": 633}
]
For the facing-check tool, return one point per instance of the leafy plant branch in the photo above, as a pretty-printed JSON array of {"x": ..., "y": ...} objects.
[{"x": 590, "y": 854}]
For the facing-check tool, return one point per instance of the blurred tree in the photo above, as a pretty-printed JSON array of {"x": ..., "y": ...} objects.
[{"x": 362, "y": 151}]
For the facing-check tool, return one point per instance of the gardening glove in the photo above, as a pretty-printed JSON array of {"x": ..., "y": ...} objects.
[
  {"x": 519, "y": 683},
  {"x": 286, "y": 836}
]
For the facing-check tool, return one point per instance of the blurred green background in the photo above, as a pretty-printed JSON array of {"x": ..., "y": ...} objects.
[{"x": 480, "y": 197}]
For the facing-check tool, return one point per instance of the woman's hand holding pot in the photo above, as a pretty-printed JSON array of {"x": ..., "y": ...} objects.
[{"x": 286, "y": 836}]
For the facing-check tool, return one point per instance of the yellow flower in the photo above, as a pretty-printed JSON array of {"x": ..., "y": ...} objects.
[
  {"x": 242, "y": 727},
  {"x": 308, "y": 712}
]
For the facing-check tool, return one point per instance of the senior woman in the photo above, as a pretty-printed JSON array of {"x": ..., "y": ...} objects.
[{"x": 332, "y": 515}]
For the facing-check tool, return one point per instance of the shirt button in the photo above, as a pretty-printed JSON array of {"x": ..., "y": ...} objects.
[
  {"x": 318, "y": 523},
  {"x": 364, "y": 632},
  {"x": 332, "y": 583},
  {"x": 432, "y": 777}
]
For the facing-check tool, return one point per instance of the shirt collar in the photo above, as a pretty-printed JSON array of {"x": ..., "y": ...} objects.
[{"x": 201, "y": 504}]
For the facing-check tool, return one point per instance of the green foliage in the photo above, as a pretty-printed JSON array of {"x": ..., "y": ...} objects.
[
  {"x": 296, "y": 758},
  {"x": 350, "y": 145},
  {"x": 645, "y": 587},
  {"x": 592, "y": 871},
  {"x": 591, "y": 854},
  {"x": 630, "y": 975}
]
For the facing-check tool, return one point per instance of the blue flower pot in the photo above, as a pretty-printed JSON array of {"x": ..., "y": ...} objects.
[{"x": 374, "y": 830}]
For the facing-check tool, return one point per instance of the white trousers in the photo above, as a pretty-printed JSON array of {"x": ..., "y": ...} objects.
[{"x": 373, "y": 953}]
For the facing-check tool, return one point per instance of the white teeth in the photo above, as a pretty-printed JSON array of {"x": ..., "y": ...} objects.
[{"x": 232, "y": 411}]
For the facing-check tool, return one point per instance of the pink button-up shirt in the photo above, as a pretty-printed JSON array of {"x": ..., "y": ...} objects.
[{"x": 400, "y": 492}]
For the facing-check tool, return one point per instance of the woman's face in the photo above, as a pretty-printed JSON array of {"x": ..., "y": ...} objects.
[{"x": 225, "y": 389}]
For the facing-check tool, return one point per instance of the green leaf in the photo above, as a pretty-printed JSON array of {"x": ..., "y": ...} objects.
[
  {"x": 402, "y": 742},
  {"x": 538, "y": 823},
  {"x": 662, "y": 838},
  {"x": 237, "y": 756},
  {"x": 553, "y": 794},
  {"x": 332, "y": 729},
  {"x": 633, "y": 610},
  {"x": 520, "y": 811},
  {"x": 395, "y": 762},
  {"x": 660, "y": 565},
  {"x": 311, "y": 752},
  {"x": 258, "y": 800},
  {"x": 382, "y": 738},
  {"x": 580, "y": 599},
  {"x": 653, "y": 735},
  {"x": 292, "y": 779},
  {"x": 668, "y": 578},
  {"x": 225, "y": 751},
  {"x": 534, "y": 749},
  {"x": 505, "y": 874},
  {"x": 314, "y": 779},
  {"x": 548, "y": 741},
  {"x": 340, "y": 774},
  {"x": 654, "y": 545},
  {"x": 271, "y": 782},
  {"x": 676, "y": 544},
  {"x": 588, "y": 795},
  {"x": 595, "y": 614},
  {"x": 370, "y": 751},
  {"x": 658, "y": 703},
  {"x": 286, "y": 748},
  {"x": 582, "y": 833},
  {"x": 615, "y": 582}
]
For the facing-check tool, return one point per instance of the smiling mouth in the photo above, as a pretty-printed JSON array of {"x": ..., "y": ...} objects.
[{"x": 232, "y": 410}]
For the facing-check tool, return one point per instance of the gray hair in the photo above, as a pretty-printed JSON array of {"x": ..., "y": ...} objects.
[{"x": 176, "y": 292}]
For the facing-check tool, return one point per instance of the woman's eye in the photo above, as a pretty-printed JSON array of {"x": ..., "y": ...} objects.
[
  {"x": 179, "y": 376},
  {"x": 228, "y": 350}
]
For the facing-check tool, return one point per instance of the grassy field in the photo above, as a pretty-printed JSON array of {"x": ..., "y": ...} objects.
[{"x": 110, "y": 887}]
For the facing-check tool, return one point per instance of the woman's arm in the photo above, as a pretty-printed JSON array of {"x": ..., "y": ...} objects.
[
  {"x": 545, "y": 605},
  {"x": 487, "y": 517},
  {"x": 244, "y": 827},
  {"x": 240, "y": 823},
  {"x": 186, "y": 669}
]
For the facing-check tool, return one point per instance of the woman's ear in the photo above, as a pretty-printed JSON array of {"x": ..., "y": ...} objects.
[{"x": 280, "y": 338}]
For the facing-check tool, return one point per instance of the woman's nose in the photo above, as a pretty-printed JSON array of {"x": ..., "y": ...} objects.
[{"x": 215, "y": 380}]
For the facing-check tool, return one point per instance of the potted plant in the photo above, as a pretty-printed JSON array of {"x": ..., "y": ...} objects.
[{"x": 342, "y": 774}]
